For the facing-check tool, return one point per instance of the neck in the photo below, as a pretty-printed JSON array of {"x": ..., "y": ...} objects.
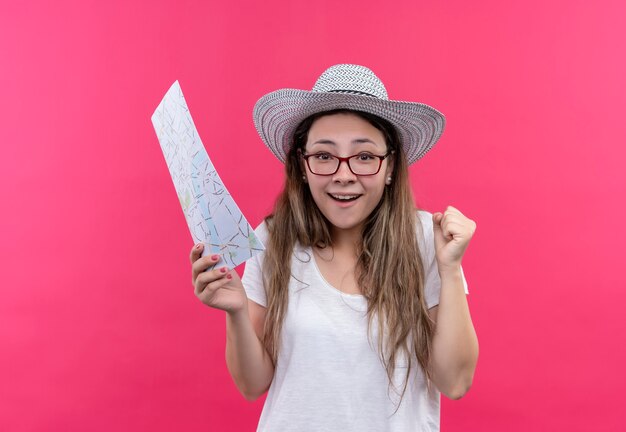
[
  {"x": 347, "y": 240},
  {"x": 345, "y": 244}
]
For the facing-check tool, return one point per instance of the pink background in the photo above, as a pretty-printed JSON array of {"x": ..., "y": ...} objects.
[{"x": 99, "y": 326}]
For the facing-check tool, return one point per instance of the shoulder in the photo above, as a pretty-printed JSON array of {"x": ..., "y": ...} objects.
[
  {"x": 424, "y": 230},
  {"x": 262, "y": 231},
  {"x": 425, "y": 219}
]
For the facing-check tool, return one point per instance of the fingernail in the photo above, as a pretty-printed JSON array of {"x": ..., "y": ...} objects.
[
  {"x": 214, "y": 257},
  {"x": 199, "y": 246},
  {"x": 228, "y": 276},
  {"x": 223, "y": 270}
]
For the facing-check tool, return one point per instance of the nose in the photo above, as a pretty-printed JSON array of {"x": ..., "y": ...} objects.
[{"x": 343, "y": 174}]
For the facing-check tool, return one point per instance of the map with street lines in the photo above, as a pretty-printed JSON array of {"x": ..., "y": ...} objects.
[{"x": 212, "y": 216}]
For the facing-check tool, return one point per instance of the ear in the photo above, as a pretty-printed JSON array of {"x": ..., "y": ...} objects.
[
  {"x": 391, "y": 161},
  {"x": 302, "y": 165}
]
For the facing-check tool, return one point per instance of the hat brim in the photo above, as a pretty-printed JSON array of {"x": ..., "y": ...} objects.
[{"x": 277, "y": 115}]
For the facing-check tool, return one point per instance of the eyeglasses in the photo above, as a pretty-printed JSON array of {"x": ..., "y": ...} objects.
[{"x": 362, "y": 164}]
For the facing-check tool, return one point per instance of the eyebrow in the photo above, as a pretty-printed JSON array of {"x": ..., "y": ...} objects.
[{"x": 354, "y": 141}]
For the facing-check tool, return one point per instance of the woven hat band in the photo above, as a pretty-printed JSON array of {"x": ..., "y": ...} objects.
[{"x": 360, "y": 93}]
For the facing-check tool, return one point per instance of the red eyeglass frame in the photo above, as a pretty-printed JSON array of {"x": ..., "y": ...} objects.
[{"x": 346, "y": 160}]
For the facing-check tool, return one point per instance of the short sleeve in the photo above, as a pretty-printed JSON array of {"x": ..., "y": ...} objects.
[
  {"x": 252, "y": 278},
  {"x": 426, "y": 241}
]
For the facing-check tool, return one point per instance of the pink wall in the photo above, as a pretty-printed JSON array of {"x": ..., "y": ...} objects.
[{"x": 99, "y": 327}]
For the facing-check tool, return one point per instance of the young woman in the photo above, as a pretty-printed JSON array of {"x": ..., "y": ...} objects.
[{"x": 355, "y": 316}]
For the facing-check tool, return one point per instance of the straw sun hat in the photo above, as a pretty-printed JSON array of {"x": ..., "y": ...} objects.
[{"x": 278, "y": 114}]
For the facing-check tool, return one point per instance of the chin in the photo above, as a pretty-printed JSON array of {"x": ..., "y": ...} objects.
[{"x": 344, "y": 224}]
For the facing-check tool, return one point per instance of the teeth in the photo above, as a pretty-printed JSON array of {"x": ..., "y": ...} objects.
[{"x": 344, "y": 197}]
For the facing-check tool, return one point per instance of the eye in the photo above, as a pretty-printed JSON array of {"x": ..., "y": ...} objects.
[
  {"x": 365, "y": 157},
  {"x": 323, "y": 156}
]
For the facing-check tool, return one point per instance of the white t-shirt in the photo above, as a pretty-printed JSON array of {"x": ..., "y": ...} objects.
[{"x": 328, "y": 377}]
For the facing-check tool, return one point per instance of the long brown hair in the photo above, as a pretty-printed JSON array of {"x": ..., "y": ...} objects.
[{"x": 389, "y": 242}]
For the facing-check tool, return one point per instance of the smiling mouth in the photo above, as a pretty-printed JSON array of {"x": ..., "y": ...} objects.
[{"x": 344, "y": 198}]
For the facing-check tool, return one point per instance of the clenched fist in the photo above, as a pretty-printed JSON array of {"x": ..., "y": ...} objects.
[{"x": 453, "y": 232}]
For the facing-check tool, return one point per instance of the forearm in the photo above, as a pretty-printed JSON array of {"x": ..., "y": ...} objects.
[
  {"x": 248, "y": 361},
  {"x": 455, "y": 345}
]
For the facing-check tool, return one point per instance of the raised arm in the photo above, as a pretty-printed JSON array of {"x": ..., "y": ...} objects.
[
  {"x": 248, "y": 362},
  {"x": 455, "y": 344}
]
